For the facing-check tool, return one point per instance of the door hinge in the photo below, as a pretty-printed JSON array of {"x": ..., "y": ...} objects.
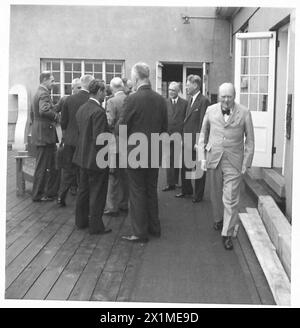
[
  {"x": 277, "y": 43},
  {"x": 273, "y": 150}
]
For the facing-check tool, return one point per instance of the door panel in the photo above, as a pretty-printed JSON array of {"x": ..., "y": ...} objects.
[{"x": 254, "y": 81}]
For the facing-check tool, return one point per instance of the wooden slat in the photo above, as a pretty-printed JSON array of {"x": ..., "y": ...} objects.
[
  {"x": 267, "y": 257},
  {"x": 42, "y": 286},
  {"x": 32, "y": 271},
  {"x": 15, "y": 267}
]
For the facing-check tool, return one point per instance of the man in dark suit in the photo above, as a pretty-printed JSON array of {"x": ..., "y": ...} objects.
[
  {"x": 44, "y": 137},
  {"x": 196, "y": 109},
  {"x": 176, "y": 114},
  {"x": 70, "y": 135},
  {"x": 90, "y": 203},
  {"x": 145, "y": 112}
]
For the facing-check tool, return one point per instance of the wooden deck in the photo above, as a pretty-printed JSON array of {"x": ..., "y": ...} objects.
[{"x": 48, "y": 258}]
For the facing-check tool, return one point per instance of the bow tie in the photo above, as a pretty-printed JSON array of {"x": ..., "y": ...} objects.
[{"x": 226, "y": 111}]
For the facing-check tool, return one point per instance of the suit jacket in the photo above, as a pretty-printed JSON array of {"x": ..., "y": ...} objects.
[
  {"x": 44, "y": 116},
  {"x": 68, "y": 116},
  {"x": 227, "y": 137},
  {"x": 145, "y": 111},
  {"x": 194, "y": 117},
  {"x": 176, "y": 115},
  {"x": 91, "y": 121}
]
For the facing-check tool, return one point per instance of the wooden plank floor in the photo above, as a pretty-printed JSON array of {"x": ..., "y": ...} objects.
[{"x": 48, "y": 258}]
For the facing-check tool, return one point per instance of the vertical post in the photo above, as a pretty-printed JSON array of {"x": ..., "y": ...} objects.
[{"x": 20, "y": 181}]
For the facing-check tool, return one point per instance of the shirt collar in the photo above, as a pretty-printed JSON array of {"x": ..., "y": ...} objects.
[
  {"x": 82, "y": 89},
  {"x": 42, "y": 86},
  {"x": 176, "y": 100},
  {"x": 95, "y": 100},
  {"x": 195, "y": 95},
  {"x": 141, "y": 85},
  {"x": 118, "y": 92}
]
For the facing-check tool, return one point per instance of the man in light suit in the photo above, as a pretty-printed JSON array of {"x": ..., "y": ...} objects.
[
  {"x": 145, "y": 112},
  {"x": 44, "y": 137},
  {"x": 197, "y": 106},
  {"x": 91, "y": 122},
  {"x": 176, "y": 113},
  {"x": 226, "y": 146},
  {"x": 118, "y": 193},
  {"x": 69, "y": 127}
]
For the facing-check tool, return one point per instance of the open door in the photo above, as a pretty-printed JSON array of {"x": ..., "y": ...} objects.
[
  {"x": 254, "y": 81},
  {"x": 159, "y": 66}
]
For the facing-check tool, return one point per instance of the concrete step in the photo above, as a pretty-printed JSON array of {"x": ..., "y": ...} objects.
[{"x": 275, "y": 181}]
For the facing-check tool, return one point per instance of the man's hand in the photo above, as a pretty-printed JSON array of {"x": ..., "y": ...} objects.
[{"x": 203, "y": 165}]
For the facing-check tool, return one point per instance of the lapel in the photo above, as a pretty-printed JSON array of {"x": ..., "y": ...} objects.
[{"x": 190, "y": 108}]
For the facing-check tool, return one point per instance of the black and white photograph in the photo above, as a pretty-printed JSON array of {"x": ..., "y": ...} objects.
[{"x": 148, "y": 154}]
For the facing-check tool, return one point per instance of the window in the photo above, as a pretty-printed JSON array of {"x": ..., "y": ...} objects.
[{"x": 65, "y": 70}]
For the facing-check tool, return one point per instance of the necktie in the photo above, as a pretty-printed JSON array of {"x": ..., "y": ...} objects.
[{"x": 226, "y": 111}]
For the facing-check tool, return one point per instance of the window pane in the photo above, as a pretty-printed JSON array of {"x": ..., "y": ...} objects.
[
  {"x": 118, "y": 68},
  {"x": 98, "y": 67},
  {"x": 55, "y": 99},
  {"x": 254, "y": 49},
  {"x": 245, "y": 47},
  {"x": 244, "y": 66},
  {"x": 118, "y": 75},
  {"x": 98, "y": 76},
  {"x": 244, "y": 84},
  {"x": 68, "y": 66},
  {"x": 68, "y": 77},
  {"x": 253, "y": 84},
  {"x": 68, "y": 89},
  {"x": 88, "y": 67},
  {"x": 253, "y": 102},
  {"x": 77, "y": 67},
  {"x": 263, "y": 84},
  {"x": 264, "y": 47},
  {"x": 263, "y": 103},
  {"x": 244, "y": 100},
  {"x": 55, "y": 66},
  {"x": 48, "y": 66},
  {"x": 109, "y": 68},
  {"x": 75, "y": 75},
  {"x": 254, "y": 62},
  {"x": 109, "y": 77},
  {"x": 56, "y": 76},
  {"x": 264, "y": 66},
  {"x": 56, "y": 89}
]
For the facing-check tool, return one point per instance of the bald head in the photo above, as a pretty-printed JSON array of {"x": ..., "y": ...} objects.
[
  {"x": 85, "y": 81},
  {"x": 76, "y": 85},
  {"x": 227, "y": 95},
  {"x": 174, "y": 88},
  {"x": 116, "y": 84}
]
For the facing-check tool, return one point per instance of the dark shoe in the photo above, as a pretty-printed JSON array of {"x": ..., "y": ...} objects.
[
  {"x": 180, "y": 195},
  {"x": 227, "y": 242},
  {"x": 218, "y": 225},
  {"x": 135, "y": 239},
  {"x": 168, "y": 188},
  {"x": 61, "y": 202},
  {"x": 124, "y": 210},
  {"x": 47, "y": 199},
  {"x": 101, "y": 232},
  {"x": 110, "y": 213},
  {"x": 73, "y": 191},
  {"x": 195, "y": 200}
]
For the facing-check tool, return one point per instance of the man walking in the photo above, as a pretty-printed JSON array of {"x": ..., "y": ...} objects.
[
  {"x": 226, "y": 146},
  {"x": 145, "y": 112},
  {"x": 176, "y": 113},
  {"x": 192, "y": 125},
  {"x": 117, "y": 195},
  {"x": 90, "y": 203},
  {"x": 44, "y": 137},
  {"x": 70, "y": 135}
]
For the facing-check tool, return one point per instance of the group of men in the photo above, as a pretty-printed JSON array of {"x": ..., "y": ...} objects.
[{"x": 219, "y": 136}]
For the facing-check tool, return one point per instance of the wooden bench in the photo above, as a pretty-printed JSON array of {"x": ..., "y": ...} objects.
[
  {"x": 25, "y": 165},
  {"x": 266, "y": 254}
]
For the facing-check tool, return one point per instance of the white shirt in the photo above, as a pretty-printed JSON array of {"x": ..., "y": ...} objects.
[
  {"x": 174, "y": 101},
  {"x": 95, "y": 100},
  {"x": 194, "y": 97},
  {"x": 226, "y": 117}
]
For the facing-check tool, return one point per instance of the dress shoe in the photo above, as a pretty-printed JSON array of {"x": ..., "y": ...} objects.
[
  {"x": 218, "y": 225},
  {"x": 135, "y": 239},
  {"x": 124, "y": 210},
  {"x": 195, "y": 200},
  {"x": 61, "y": 202},
  {"x": 180, "y": 195},
  {"x": 46, "y": 199},
  {"x": 101, "y": 232},
  {"x": 111, "y": 213},
  {"x": 168, "y": 188},
  {"x": 227, "y": 242}
]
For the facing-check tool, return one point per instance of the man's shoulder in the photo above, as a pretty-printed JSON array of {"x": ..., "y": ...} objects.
[
  {"x": 242, "y": 108},
  {"x": 213, "y": 108}
]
